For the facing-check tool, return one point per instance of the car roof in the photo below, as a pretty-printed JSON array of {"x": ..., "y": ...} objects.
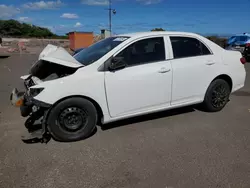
[{"x": 153, "y": 33}]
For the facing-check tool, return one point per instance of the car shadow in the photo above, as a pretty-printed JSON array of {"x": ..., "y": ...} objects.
[
  {"x": 47, "y": 138},
  {"x": 4, "y": 56},
  {"x": 242, "y": 93},
  {"x": 92, "y": 134},
  {"x": 152, "y": 116},
  {"x": 143, "y": 118}
]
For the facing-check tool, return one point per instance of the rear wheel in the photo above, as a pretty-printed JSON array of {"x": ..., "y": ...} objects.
[
  {"x": 217, "y": 95},
  {"x": 72, "y": 119},
  {"x": 248, "y": 59}
]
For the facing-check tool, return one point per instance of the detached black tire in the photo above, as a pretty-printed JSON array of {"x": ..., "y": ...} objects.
[
  {"x": 72, "y": 119},
  {"x": 217, "y": 96}
]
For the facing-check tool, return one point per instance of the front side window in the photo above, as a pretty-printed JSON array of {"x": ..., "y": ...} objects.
[
  {"x": 94, "y": 52},
  {"x": 188, "y": 47},
  {"x": 144, "y": 51}
]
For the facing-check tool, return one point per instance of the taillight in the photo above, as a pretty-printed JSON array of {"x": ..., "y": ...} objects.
[
  {"x": 243, "y": 60},
  {"x": 248, "y": 45}
]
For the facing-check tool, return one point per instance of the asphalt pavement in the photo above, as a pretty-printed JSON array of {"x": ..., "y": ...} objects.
[{"x": 183, "y": 148}]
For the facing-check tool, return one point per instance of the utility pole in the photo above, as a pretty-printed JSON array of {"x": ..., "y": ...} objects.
[{"x": 110, "y": 16}]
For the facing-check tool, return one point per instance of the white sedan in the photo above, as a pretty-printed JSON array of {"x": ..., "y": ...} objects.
[{"x": 125, "y": 76}]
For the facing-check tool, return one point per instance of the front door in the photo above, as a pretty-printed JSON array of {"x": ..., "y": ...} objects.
[{"x": 144, "y": 84}]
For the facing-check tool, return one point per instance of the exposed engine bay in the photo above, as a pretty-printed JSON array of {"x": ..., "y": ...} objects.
[
  {"x": 49, "y": 71},
  {"x": 46, "y": 71}
]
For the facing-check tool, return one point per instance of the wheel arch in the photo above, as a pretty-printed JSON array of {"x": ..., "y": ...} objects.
[
  {"x": 225, "y": 77},
  {"x": 97, "y": 106}
]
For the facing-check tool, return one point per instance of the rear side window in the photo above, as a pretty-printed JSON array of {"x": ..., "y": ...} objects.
[{"x": 188, "y": 47}]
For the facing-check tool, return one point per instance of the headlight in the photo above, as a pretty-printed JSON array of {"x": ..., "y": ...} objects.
[{"x": 35, "y": 91}]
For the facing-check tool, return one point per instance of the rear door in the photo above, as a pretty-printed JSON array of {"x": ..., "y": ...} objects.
[{"x": 193, "y": 66}]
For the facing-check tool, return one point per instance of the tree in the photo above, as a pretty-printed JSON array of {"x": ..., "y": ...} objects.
[
  {"x": 13, "y": 28},
  {"x": 158, "y": 29},
  {"x": 218, "y": 40}
]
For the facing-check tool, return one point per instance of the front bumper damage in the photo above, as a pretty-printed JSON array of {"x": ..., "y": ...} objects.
[
  {"x": 36, "y": 111},
  {"x": 53, "y": 63}
]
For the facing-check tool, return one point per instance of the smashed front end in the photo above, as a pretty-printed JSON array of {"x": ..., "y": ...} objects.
[
  {"x": 53, "y": 63},
  {"x": 35, "y": 111}
]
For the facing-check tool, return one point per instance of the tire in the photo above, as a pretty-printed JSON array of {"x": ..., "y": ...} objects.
[
  {"x": 72, "y": 119},
  {"x": 248, "y": 59},
  {"x": 217, "y": 96}
]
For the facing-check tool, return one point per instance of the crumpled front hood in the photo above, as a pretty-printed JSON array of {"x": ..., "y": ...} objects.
[
  {"x": 58, "y": 55},
  {"x": 53, "y": 62}
]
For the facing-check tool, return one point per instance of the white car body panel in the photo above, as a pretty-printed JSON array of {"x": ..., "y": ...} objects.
[
  {"x": 59, "y": 56},
  {"x": 192, "y": 75},
  {"x": 48, "y": 49},
  {"x": 85, "y": 82},
  {"x": 24, "y": 77},
  {"x": 236, "y": 72},
  {"x": 143, "y": 89}
]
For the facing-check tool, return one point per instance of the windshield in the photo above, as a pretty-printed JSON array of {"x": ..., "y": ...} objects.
[{"x": 97, "y": 50}]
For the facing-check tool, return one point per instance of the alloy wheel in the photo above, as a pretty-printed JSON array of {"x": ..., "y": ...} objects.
[{"x": 219, "y": 96}]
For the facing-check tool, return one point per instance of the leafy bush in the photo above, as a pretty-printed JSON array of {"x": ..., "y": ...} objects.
[
  {"x": 157, "y": 29},
  {"x": 218, "y": 40},
  {"x": 13, "y": 28}
]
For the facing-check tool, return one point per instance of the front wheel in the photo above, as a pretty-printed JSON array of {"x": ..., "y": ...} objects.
[
  {"x": 217, "y": 96},
  {"x": 72, "y": 119}
]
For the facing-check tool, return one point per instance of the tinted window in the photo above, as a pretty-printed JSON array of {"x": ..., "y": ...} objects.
[
  {"x": 241, "y": 38},
  {"x": 231, "y": 40},
  {"x": 144, "y": 51},
  {"x": 97, "y": 50},
  {"x": 188, "y": 47}
]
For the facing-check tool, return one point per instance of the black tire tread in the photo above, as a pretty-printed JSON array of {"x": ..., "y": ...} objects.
[
  {"x": 207, "y": 105},
  {"x": 54, "y": 129}
]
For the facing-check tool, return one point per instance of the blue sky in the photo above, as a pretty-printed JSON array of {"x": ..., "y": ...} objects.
[{"x": 206, "y": 17}]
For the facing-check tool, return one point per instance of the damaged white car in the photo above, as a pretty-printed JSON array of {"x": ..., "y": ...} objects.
[{"x": 125, "y": 76}]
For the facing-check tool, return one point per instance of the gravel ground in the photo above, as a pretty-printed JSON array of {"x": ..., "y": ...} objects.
[{"x": 181, "y": 148}]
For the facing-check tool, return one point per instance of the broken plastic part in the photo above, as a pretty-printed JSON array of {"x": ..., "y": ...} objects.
[{"x": 17, "y": 98}]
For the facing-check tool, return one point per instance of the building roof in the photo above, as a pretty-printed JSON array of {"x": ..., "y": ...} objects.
[{"x": 83, "y": 32}]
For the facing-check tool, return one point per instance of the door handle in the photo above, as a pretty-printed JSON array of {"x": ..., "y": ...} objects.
[
  {"x": 210, "y": 63},
  {"x": 163, "y": 70}
]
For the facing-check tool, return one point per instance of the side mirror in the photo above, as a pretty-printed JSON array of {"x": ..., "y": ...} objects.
[{"x": 117, "y": 63}]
